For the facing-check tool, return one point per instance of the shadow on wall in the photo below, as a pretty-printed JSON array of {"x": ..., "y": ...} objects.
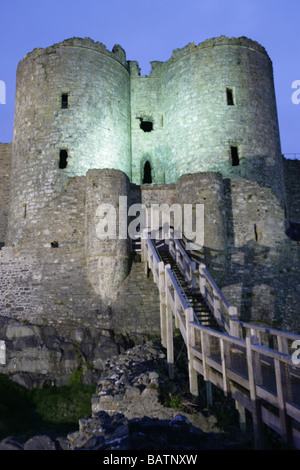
[
  {"x": 252, "y": 168},
  {"x": 256, "y": 279},
  {"x": 293, "y": 232},
  {"x": 260, "y": 281}
]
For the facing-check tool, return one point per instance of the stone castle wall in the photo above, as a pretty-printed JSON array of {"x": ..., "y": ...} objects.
[
  {"x": 107, "y": 253},
  {"x": 261, "y": 258},
  {"x": 5, "y": 172},
  {"x": 56, "y": 268},
  {"x": 194, "y": 126},
  {"x": 20, "y": 276},
  {"x": 200, "y": 125},
  {"x": 185, "y": 100},
  {"x": 292, "y": 178},
  {"x": 54, "y": 276},
  {"x": 62, "y": 274},
  {"x": 146, "y": 107},
  {"x": 94, "y": 129}
]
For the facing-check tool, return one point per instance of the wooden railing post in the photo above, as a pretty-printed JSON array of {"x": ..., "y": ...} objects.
[
  {"x": 169, "y": 332},
  {"x": 216, "y": 305},
  {"x": 202, "y": 280},
  {"x": 242, "y": 415},
  {"x": 233, "y": 325},
  {"x": 144, "y": 251},
  {"x": 194, "y": 276},
  {"x": 205, "y": 354},
  {"x": 223, "y": 347},
  {"x": 142, "y": 248},
  {"x": 176, "y": 313},
  {"x": 190, "y": 343},
  {"x": 256, "y": 409},
  {"x": 146, "y": 255},
  {"x": 281, "y": 397},
  {"x": 2, "y": 352},
  {"x": 282, "y": 344},
  {"x": 234, "y": 330},
  {"x": 162, "y": 297}
]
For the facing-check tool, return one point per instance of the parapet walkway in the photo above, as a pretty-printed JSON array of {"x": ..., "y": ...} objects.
[{"x": 255, "y": 365}]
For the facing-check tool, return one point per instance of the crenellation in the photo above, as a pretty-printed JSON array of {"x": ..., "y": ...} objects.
[{"x": 117, "y": 52}]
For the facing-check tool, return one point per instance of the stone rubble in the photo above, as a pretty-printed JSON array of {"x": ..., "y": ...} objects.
[{"x": 128, "y": 412}]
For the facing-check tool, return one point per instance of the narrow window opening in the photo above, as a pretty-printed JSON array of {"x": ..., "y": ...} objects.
[
  {"x": 255, "y": 232},
  {"x": 147, "y": 173},
  {"x": 234, "y": 156},
  {"x": 146, "y": 126},
  {"x": 25, "y": 211},
  {"x": 229, "y": 94},
  {"x": 63, "y": 159},
  {"x": 64, "y": 101},
  {"x": 54, "y": 244}
]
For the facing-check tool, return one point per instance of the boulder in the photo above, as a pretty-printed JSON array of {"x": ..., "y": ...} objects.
[
  {"x": 11, "y": 443},
  {"x": 42, "y": 442}
]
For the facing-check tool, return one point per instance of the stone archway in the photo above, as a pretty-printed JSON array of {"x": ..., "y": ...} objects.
[
  {"x": 147, "y": 170},
  {"x": 147, "y": 173}
]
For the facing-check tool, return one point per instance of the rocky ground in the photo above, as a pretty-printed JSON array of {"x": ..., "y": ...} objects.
[{"x": 137, "y": 407}]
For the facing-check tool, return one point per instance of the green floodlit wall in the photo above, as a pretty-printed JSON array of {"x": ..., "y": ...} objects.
[
  {"x": 178, "y": 119},
  {"x": 194, "y": 127},
  {"x": 184, "y": 99},
  {"x": 94, "y": 129},
  {"x": 200, "y": 126}
]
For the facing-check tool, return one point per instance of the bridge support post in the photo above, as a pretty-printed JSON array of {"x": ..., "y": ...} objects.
[
  {"x": 233, "y": 322},
  {"x": 162, "y": 297},
  {"x": 169, "y": 328},
  {"x": 202, "y": 280},
  {"x": 242, "y": 415},
  {"x": 209, "y": 395},
  {"x": 170, "y": 346},
  {"x": 205, "y": 347},
  {"x": 2, "y": 352},
  {"x": 146, "y": 268},
  {"x": 256, "y": 410},
  {"x": 190, "y": 337}
]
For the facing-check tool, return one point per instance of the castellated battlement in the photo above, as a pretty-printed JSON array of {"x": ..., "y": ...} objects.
[
  {"x": 117, "y": 52},
  {"x": 219, "y": 41},
  {"x": 202, "y": 128}
]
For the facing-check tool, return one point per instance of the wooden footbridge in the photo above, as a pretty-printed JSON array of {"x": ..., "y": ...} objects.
[{"x": 255, "y": 365}]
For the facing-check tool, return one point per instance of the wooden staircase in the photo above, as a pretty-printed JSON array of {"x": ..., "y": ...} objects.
[
  {"x": 196, "y": 301},
  {"x": 253, "y": 364}
]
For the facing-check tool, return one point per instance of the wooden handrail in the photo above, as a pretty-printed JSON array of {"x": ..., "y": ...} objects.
[
  {"x": 215, "y": 299},
  {"x": 185, "y": 264},
  {"x": 227, "y": 359}
]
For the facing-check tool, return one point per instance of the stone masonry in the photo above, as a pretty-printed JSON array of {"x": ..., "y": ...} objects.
[{"x": 202, "y": 128}]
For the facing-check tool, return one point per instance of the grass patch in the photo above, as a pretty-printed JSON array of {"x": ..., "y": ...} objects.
[
  {"x": 25, "y": 413},
  {"x": 175, "y": 402}
]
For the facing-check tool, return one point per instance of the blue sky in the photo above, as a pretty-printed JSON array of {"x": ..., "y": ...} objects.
[{"x": 151, "y": 30}]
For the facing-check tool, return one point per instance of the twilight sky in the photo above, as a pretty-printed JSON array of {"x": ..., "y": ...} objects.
[{"x": 151, "y": 30}]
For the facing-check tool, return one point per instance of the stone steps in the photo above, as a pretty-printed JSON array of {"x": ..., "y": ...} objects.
[{"x": 195, "y": 299}]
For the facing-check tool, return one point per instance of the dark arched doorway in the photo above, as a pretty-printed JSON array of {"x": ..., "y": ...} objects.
[{"x": 147, "y": 178}]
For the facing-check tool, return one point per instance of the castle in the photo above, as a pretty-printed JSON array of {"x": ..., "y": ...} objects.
[{"x": 202, "y": 128}]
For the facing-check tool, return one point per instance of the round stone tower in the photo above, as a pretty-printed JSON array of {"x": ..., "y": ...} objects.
[
  {"x": 72, "y": 114},
  {"x": 107, "y": 246},
  {"x": 220, "y": 112}
]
